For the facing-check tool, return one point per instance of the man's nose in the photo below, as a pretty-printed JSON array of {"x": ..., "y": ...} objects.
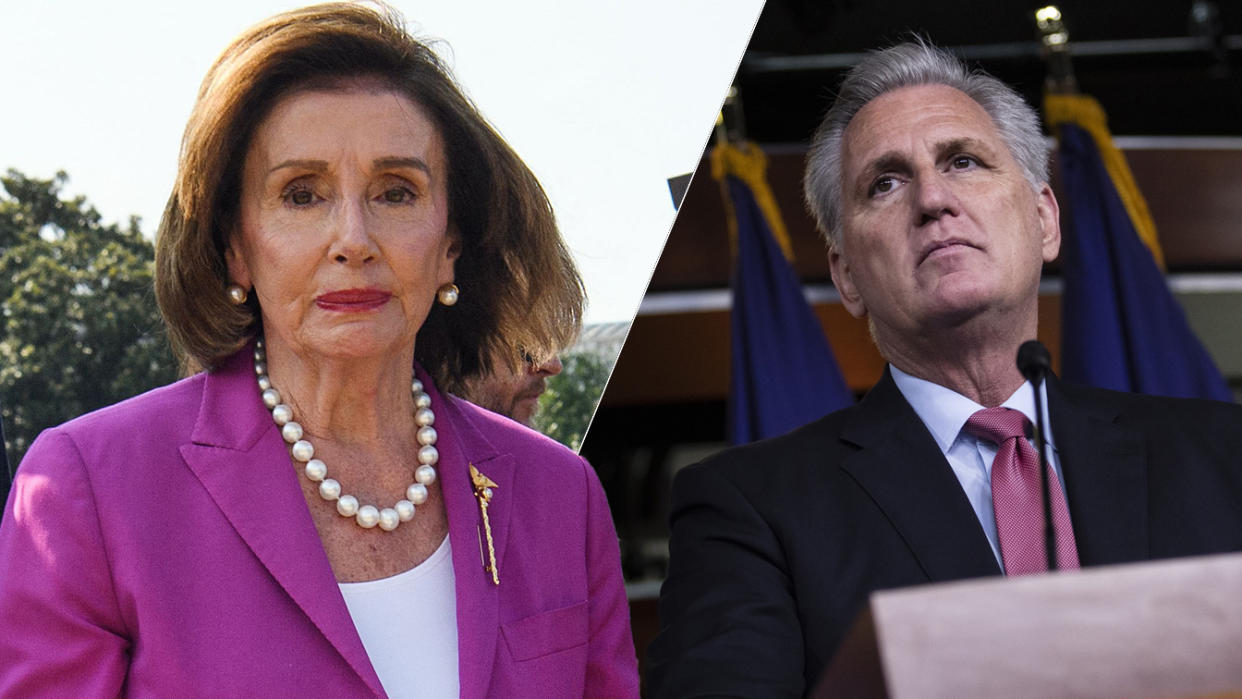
[
  {"x": 934, "y": 196},
  {"x": 552, "y": 367}
]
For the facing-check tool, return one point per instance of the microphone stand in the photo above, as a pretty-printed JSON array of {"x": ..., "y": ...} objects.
[
  {"x": 1050, "y": 539},
  {"x": 1034, "y": 362}
]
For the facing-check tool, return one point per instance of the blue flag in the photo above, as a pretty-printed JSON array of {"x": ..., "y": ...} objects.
[
  {"x": 783, "y": 371},
  {"x": 1121, "y": 326}
]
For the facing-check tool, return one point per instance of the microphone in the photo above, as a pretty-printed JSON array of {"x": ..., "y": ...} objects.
[{"x": 1035, "y": 363}]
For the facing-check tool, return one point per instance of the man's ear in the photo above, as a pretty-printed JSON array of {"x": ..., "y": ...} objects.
[
  {"x": 1050, "y": 222},
  {"x": 843, "y": 279}
]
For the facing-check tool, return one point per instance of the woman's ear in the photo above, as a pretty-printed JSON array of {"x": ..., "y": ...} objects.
[
  {"x": 452, "y": 252},
  {"x": 239, "y": 269}
]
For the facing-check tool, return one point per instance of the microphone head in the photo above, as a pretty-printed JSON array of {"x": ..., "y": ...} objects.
[{"x": 1034, "y": 360}]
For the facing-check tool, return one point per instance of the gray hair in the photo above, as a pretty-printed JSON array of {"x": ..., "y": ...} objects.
[{"x": 905, "y": 65}]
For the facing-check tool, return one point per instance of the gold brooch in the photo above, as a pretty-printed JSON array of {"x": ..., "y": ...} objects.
[{"x": 483, "y": 492}]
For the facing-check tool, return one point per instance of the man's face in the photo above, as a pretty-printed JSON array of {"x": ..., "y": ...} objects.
[
  {"x": 513, "y": 395},
  {"x": 938, "y": 223}
]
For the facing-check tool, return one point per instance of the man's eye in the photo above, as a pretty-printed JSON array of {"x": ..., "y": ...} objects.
[
  {"x": 963, "y": 162},
  {"x": 883, "y": 185}
]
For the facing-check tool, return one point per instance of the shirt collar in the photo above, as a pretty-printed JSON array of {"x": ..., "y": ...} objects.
[{"x": 946, "y": 411}]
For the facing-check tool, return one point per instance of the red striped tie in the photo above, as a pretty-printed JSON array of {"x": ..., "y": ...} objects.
[{"x": 1017, "y": 495}]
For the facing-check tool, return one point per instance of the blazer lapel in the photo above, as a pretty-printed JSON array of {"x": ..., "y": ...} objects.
[
  {"x": 902, "y": 469},
  {"x": 461, "y": 444},
  {"x": 238, "y": 455},
  {"x": 1105, "y": 469}
]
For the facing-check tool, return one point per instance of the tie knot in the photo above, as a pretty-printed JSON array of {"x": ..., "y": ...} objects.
[{"x": 998, "y": 425}]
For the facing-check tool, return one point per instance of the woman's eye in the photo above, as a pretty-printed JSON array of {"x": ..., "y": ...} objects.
[
  {"x": 299, "y": 196},
  {"x": 398, "y": 195}
]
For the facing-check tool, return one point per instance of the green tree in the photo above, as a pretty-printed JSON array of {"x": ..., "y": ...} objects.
[
  {"x": 566, "y": 408},
  {"x": 81, "y": 328}
]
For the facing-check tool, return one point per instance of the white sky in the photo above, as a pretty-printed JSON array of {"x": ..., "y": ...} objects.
[{"x": 603, "y": 99}]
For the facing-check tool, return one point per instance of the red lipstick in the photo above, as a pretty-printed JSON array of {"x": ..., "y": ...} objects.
[{"x": 352, "y": 300}]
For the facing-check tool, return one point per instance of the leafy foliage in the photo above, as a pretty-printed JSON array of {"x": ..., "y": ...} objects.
[
  {"x": 566, "y": 407},
  {"x": 81, "y": 329}
]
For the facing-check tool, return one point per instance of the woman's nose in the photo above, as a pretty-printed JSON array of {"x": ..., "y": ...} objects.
[{"x": 352, "y": 241}]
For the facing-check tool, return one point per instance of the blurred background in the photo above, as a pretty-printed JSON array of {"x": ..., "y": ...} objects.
[
  {"x": 1168, "y": 75},
  {"x": 604, "y": 103}
]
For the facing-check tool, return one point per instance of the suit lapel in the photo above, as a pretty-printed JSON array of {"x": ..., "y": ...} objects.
[
  {"x": 904, "y": 472},
  {"x": 461, "y": 443},
  {"x": 1105, "y": 469},
  {"x": 241, "y": 460}
]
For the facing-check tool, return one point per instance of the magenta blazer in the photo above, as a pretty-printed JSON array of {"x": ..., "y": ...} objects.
[{"x": 162, "y": 547}]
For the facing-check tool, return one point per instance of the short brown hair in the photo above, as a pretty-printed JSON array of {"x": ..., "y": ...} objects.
[{"x": 520, "y": 291}]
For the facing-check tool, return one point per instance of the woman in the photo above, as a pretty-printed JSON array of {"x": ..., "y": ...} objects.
[{"x": 313, "y": 514}]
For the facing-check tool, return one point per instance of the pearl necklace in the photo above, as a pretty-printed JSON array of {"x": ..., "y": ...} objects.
[{"x": 367, "y": 516}]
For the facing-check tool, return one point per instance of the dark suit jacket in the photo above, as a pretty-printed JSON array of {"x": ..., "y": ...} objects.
[{"x": 776, "y": 546}]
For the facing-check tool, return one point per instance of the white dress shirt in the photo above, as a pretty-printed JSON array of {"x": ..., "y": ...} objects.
[
  {"x": 408, "y": 625},
  {"x": 945, "y": 413}
]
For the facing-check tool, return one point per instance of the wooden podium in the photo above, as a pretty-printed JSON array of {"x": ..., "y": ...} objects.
[{"x": 1161, "y": 629}]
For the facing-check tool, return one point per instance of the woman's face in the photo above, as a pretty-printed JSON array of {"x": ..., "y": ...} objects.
[{"x": 344, "y": 223}]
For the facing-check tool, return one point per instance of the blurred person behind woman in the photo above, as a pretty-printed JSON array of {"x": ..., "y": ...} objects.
[
  {"x": 514, "y": 394},
  {"x": 347, "y": 243}
]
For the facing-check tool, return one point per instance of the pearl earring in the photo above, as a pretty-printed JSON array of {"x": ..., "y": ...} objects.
[
  {"x": 237, "y": 295},
  {"x": 448, "y": 294}
]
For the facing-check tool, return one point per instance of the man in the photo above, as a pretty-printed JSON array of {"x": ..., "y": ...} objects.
[
  {"x": 930, "y": 183},
  {"x": 514, "y": 395}
]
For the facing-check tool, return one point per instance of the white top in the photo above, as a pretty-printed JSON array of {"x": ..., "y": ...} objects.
[
  {"x": 945, "y": 413},
  {"x": 408, "y": 625}
]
